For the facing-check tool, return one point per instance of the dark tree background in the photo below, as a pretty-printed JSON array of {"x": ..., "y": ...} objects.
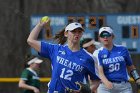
[{"x": 15, "y": 28}]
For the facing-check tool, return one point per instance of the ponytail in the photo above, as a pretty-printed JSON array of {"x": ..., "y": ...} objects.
[{"x": 60, "y": 37}]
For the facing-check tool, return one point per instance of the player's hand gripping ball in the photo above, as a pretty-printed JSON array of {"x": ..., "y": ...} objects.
[{"x": 44, "y": 19}]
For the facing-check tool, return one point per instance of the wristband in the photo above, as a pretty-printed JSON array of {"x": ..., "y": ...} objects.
[{"x": 135, "y": 74}]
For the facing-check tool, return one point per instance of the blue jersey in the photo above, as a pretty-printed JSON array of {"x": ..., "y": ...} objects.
[
  {"x": 67, "y": 67},
  {"x": 114, "y": 62}
]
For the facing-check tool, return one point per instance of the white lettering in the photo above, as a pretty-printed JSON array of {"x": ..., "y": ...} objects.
[
  {"x": 113, "y": 60},
  {"x": 69, "y": 64},
  {"x": 128, "y": 20},
  {"x": 58, "y": 21}
]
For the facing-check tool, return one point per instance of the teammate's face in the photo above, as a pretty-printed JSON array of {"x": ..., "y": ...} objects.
[
  {"x": 35, "y": 66},
  {"x": 75, "y": 35},
  {"x": 106, "y": 38},
  {"x": 91, "y": 48}
]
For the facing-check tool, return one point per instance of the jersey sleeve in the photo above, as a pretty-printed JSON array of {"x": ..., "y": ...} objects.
[
  {"x": 127, "y": 57},
  {"x": 24, "y": 75},
  {"x": 96, "y": 65},
  {"x": 91, "y": 69},
  {"x": 97, "y": 57},
  {"x": 47, "y": 49}
]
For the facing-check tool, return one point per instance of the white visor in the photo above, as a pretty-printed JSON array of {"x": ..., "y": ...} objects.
[
  {"x": 35, "y": 60},
  {"x": 73, "y": 26}
]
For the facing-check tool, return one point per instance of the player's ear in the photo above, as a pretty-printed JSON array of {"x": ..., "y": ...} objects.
[{"x": 66, "y": 33}]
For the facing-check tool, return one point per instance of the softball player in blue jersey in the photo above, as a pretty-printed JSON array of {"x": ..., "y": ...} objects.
[
  {"x": 70, "y": 63},
  {"x": 114, "y": 63}
]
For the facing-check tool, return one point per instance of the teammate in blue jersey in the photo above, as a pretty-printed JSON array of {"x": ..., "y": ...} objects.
[
  {"x": 114, "y": 63},
  {"x": 70, "y": 63}
]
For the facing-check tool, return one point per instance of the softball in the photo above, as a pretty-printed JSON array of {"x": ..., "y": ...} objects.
[{"x": 44, "y": 19}]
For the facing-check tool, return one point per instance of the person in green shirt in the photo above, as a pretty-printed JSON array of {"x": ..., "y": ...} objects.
[
  {"x": 91, "y": 45},
  {"x": 29, "y": 80}
]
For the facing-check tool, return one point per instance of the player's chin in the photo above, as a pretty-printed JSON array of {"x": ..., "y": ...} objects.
[
  {"x": 75, "y": 41},
  {"x": 106, "y": 43}
]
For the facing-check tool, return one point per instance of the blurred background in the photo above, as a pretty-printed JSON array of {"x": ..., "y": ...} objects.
[{"x": 18, "y": 17}]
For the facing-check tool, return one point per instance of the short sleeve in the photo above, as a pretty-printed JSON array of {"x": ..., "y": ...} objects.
[
  {"x": 97, "y": 57},
  {"x": 24, "y": 75},
  {"x": 127, "y": 56},
  {"x": 91, "y": 69},
  {"x": 47, "y": 49}
]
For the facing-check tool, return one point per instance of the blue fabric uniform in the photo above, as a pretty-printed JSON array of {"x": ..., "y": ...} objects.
[
  {"x": 67, "y": 67},
  {"x": 114, "y": 62}
]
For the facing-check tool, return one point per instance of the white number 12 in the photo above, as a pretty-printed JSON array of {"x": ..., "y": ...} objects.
[{"x": 68, "y": 74}]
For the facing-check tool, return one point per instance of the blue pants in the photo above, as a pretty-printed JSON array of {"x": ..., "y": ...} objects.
[{"x": 123, "y": 87}]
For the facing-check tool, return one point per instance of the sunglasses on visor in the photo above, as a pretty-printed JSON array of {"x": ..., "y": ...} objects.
[{"x": 105, "y": 34}]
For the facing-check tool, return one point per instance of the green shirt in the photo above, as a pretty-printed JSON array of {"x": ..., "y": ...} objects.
[{"x": 31, "y": 78}]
